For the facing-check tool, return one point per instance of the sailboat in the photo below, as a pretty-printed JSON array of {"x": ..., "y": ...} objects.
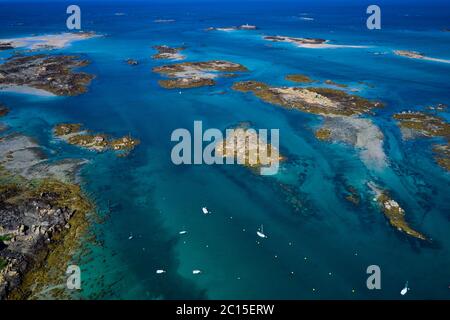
[
  {"x": 261, "y": 233},
  {"x": 405, "y": 289}
]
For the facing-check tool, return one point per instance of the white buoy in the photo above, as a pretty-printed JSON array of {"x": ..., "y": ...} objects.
[
  {"x": 405, "y": 289},
  {"x": 160, "y": 271},
  {"x": 205, "y": 210},
  {"x": 261, "y": 233},
  {"x": 196, "y": 271}
]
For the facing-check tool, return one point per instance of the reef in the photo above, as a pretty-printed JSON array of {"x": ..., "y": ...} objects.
[
  {"x": 3, "y": 110},
  {"x": 299, "y": 78},
  {"x": 393, "y": 212},
  {"x": 73, "y": 134},
  {"x": 168, "y": 53},
  {"x": 196, "y": 74},
  {"x": 41, "y": 208},
  {"x": 297, "y": 41},
  {"x": 422, "y": 124},
  {"x": 52, "y": 73}
]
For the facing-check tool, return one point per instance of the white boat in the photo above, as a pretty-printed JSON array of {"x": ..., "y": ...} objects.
[
  {"x": 182, "y": 232},
  {"x": 405, "y": 289},
  {"x": 205, "y": 210},
  {"x": 261, "y": 233},
  {"x": 130, "y": 237},
  {"x": 160, "y": 271},
  {"x": 196, "y": 271}
]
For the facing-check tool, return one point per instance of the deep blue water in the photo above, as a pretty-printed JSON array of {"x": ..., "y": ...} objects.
[{"x": 153, "y": 199}]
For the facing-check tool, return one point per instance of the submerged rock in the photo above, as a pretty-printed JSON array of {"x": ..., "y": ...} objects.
[
  {"x": 299, "y": 78},
  {"x": 3, "y": 110}
]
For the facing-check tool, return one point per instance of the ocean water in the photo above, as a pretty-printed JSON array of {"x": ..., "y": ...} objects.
[{"x": 320, "y": 251}]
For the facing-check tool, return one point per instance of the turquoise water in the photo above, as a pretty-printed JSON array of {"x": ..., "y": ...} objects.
[{"x": 152, "y": 199}]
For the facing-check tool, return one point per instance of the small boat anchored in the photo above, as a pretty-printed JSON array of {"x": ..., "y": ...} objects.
[
  {"x": 196, "y": 271},
  {"x": 205, "y": 210},
  {"x": 182, "y": 232},
  {"x": 261, "y": 233},
  {"x": 160, "y": 271},
  {"x": 405, "y": 289}
]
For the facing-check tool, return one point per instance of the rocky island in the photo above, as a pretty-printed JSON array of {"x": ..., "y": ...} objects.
[
  {"x": 341, "y": 112},
  {"x": 43, "y": 213},
  {"x": 245, "y": 146},
  {"x": 196, "y": 74},
  {"x": 299, "y": 78},
  {"x": 73, "y": 134},
  {"x": 53, "y": 74},
  {"x": 393, "y": 212},
  {"x": 168, "y": 53}
]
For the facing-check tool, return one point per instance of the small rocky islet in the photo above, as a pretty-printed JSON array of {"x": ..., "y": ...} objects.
[
  {"x": 52, "y": 73},
  {"x": 73, "y": 134},
  {"x": 196, "y": 74},
  {"x": 248, "y": 148},
  {"x": 168, "y": 53}
]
